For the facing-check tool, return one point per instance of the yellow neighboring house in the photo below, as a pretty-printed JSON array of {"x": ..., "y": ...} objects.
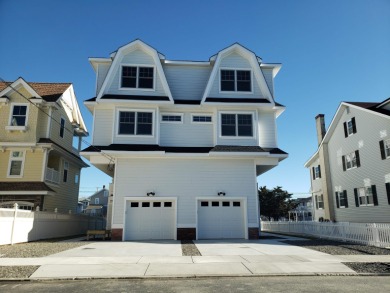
[{"x": 38, "y": 164}]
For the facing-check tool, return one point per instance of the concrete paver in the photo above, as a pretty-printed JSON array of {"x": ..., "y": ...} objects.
[
  {"x": 165, "y": 259},
  {"x": 219, "y": 259},
  {"x": 298, "y": 268}
]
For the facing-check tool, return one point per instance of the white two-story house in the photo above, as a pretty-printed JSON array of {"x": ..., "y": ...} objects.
[
  {"x": 184, "y": 141},
  {"x": 350, "y": 171}
]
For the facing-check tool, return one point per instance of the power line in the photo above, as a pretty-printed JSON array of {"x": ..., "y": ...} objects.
[{"x": 112, "y": 160}]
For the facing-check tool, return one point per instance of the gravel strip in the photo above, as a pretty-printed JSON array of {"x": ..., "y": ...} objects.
[
  {"x": 36, "y": 249},
  {"x": 339, "y": 248},
  {"x": 189, "y": 248},
  {"x": 369, "y": 267},
  {"x": 18, "y": 272}
]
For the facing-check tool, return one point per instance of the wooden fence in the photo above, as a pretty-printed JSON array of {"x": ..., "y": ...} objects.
[
  {"x": 369, "y": 234},
  {"x": 18, "y": 226}
]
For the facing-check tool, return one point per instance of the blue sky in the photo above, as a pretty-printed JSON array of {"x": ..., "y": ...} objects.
[{"x": 331, "y": 51}]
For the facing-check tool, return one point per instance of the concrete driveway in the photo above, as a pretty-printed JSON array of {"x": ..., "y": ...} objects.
[{"x": 164, "y": 259}]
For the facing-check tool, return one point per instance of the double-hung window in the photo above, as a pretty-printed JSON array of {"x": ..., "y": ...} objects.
[
  {"x": 350, "y": 127},
  {"x": 19, "y": 115},
  {"x": 237, "y": 125},
  {"x": 236, "y": 80},
  {"x": 385, "y": 148},
  {"x": 351, "y": 160},
  {"x": 137, "y": 77},
  {"x": 365, "y": 196},
  {"x": 316, "y": 172},
  {"x": 319, "y": 202},
  {"x": 16, "y": 164},
  {"x": 135, "y": 123},
  {"x": 342, "y": 199}
]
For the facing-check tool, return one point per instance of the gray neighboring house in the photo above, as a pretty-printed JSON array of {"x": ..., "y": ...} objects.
[
  {"x": 98, "y": 202},
  {"x": 350, "y": 171}
]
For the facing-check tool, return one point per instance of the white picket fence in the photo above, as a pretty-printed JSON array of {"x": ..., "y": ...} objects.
[
  {"x": 369, "y": 234},
  {"x": 17, "y": 226}
]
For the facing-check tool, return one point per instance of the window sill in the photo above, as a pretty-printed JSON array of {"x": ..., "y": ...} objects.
[
  {"x": 16, "y": 128},
  {"x": 236, "y": 92}
]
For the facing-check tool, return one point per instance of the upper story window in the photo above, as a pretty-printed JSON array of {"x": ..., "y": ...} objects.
[
  {"x": 174, "y": 118},
  {"x": 350, "y": 127},
  {"x": 19, "y": 115},
  {"x": 236, "y": 80},
  {"x": 16, "y": 162},
  {"x": 137, "y": 77},
  {"x": 62, "y": 127},
  {"x": 385, "y": 148},
  {"x": 135, "y": 123},
  {"x": 316, "y": 172},
  {"x": 96, "y": 200},
  {"x": 66, "y": 170},
  {"x": 237, "y": 125},
  {"x": 351, "y": 160},
  {"x": 202, "y": 118}
]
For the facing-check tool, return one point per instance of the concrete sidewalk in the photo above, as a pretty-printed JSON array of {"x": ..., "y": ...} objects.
[{"x": 164, "y": 259}]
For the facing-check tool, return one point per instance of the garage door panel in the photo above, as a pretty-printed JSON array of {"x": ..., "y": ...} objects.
[
  {"x": 150, "y": 220},
  {"x": 220, "y": 219}
]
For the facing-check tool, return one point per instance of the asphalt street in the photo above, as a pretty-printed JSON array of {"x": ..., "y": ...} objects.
[{"x": 291, "y": 284}]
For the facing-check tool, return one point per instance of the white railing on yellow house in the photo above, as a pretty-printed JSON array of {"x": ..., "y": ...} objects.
[{"x": 52, "y": 175}]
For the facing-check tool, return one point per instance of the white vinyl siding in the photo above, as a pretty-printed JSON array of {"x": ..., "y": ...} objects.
[
  {"x": 103, "y": 126},
  {"x": 187, "y": 134},
  {"x": 267, "y": 129},
  {"x": 268, "y": 75},
  {"x": 102, "y": 71},
  {"x": 370, "y": 131},
  {"x": 185, "y": 179},
  {"x": 187, "y": 82}
]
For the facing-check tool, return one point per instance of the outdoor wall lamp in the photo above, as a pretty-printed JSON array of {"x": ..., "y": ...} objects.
[
  {"x": 151, "y": 193},
  {"x": 221, "y": 193}
]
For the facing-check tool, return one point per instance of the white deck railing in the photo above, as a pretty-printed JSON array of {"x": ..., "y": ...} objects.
[
  {"x": 52, "y": 175},
  {"x": 369, "y": 234}
]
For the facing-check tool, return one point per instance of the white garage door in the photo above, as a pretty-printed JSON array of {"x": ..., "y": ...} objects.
[
  {"x": 220, "y": 219},
  {"x": 147, "y": 220}
]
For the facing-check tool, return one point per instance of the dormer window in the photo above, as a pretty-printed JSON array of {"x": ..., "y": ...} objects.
[
  {"x": 236, "y": 81},
  {"x": 137, "y": 77},
  {"x": 18, "y": 118},
  {"x": 19, "y": 115}
]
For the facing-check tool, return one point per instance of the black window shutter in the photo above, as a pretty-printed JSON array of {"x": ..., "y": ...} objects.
[
  {"x": 319, "y": 170},
  {"x": 356, "y": 197},
  {"x": 353, "y": 124},
  {"x": 345, "y": 129},
  {"x": 374, "y": 195},
  {"x": 337, "y": 200},
  {"x": 382, "y": 147},
  {"x": 316, "y": 202},
  {"x": 314, "y": 173},
  {"x": 343, "y": 158},
  {"x": 357, "y": 158},
  {"x": 388, "y": 192},
  {"x": 345, "y": 198}
]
